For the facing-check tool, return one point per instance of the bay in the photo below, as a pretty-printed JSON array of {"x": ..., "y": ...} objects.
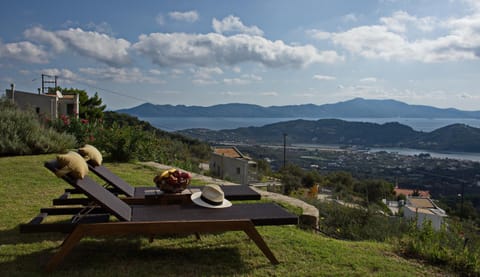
[
  {"x": 419, "y": 124},
  {"x": 439, "y": 155},
  {"x": 220, "y": 123}
]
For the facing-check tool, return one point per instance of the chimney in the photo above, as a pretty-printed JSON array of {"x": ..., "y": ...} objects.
[{"x": 12, "y": 87}]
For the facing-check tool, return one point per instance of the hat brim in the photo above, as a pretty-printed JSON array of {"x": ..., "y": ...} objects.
[{"x": 197, "y": 200}]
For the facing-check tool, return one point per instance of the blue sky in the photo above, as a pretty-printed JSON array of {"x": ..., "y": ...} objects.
[{"x": 259, "y": 52}]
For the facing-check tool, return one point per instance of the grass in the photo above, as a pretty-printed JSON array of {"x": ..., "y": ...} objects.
[{"x": 26, "y": 186}]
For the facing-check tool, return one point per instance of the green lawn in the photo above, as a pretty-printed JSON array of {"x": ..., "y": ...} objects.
[{"x": 26, "y": 186}]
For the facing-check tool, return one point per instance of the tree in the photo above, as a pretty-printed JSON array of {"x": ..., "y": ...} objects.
[
  {"x": 311, "y": 178},
  {"x": 263, "y": 168},
  {"x": 91, "y": 108},
  {"x": 341, "y": 181},
  {"x": 374, "y": 190},
  {"x": 291, "y": 177}
]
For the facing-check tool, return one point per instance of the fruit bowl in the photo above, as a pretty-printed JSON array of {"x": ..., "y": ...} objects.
[{"x": 172, "y": 180}]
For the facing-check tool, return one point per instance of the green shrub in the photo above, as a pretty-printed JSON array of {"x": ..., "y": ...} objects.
[
  {"x": 358, "y": 223},
  {"x": 455, "y": 246},
  {"x": 83, "y": 130},
  {"x": 22, "y": 133}
]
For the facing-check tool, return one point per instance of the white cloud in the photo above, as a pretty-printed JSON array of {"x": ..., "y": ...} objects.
[
  {"x": 230, "y": 93},
  {"x": 243, "y": 80},
  {"x": 351, "y": 17},
  {"x": 101, "y": 47},
  {"x": 319, "y": 34},
  {"x": 232, "y": 24},
  {"x": 368, "y": 80},
  {"x": 204, "y": 82},
  {"x": 24, "y": 51},
  {"x": 269, "y": 93},
  {"x": 167, "y": 49},
  {"x": 65, "y": 75},
  {"x": 175, "y": 72},
  {"x": 304, "y": 95},
  {"x": 40, "y": 35},
  {"x": 324, "y": 77},
  {"x": 399, "y": 21},
  {"x": 204, "y": 75},
  {"x": 190, "y": 16},
  {"x": 392, "y": 39},
  {"x": 121, "y": 75},
  {"x": 160, "y": 19},
  {"x": 156, "y": 72},
  {"x": 102, "y": 27},
  {"x": 207, "y": 72}
]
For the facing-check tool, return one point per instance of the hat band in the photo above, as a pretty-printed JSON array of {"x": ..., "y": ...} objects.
[{"x": 211, "y": 202}]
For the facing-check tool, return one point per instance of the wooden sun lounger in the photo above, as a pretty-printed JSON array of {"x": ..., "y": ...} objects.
[
  {"x": 154, "y": 219},
  {"x": 136, "y": 195}
]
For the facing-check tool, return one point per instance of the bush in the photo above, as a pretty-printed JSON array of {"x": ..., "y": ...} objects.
[
  {"x": 22, "y": 133},
  {"x": 83, "y": 130},
  {"x": 359, "y": 223},
  {"x": 454, "y": 246}
]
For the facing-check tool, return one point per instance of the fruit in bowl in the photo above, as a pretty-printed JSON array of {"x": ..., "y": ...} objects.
[{"x": 172, "y": 180}]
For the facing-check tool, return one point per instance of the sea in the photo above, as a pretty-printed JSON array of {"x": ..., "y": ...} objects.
[{"x": 172, "y": 124}]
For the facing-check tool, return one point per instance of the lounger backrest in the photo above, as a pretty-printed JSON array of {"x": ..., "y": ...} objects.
[
  {"x": 112, "y": 179},
  {"x": 97, "y": 193}
]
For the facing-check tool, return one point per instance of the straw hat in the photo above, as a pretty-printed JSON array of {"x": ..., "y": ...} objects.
[{"x": 211, "y": 197}]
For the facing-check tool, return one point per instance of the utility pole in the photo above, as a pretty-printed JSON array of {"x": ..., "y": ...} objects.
[
  {"x": 284, "y": 150},
  {"x": 461, "y": 201}
]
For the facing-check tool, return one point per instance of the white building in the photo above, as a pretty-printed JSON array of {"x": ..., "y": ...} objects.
[
  {"x": 424, "y": 209},
  {"x": 49, "y": 105}
]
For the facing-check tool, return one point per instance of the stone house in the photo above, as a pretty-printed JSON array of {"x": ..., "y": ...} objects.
[{"x": 229, "y": 163}]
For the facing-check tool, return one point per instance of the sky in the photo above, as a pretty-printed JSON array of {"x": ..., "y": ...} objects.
[{"x": 269, "y": 52}]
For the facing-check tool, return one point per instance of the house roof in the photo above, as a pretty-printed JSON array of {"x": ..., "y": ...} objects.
[
  {"x": 409, "y": 192},
  {"x": 230, "y": 152},
  {"x": 421, "y": 203},
  {"x": 425, "y": 206}
]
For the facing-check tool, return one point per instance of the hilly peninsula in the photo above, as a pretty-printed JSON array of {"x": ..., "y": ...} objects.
[
  {"x": 354, "y": 108},
  {"x": 455, "y": 137}
]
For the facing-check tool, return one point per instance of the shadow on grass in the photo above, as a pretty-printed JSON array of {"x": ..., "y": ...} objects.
[
  {"x": 128, "y": 256},
  {"x": 13, "y": 236}
]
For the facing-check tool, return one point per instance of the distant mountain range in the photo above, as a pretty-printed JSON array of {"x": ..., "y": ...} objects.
[
  {"x": 355, "y": 108},
  {"x": 456, "y": 137}
]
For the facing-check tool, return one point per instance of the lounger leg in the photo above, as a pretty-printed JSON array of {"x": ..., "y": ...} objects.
[
  {"x": 257, "y": 238},
  {"x": 66, "y": 247}
]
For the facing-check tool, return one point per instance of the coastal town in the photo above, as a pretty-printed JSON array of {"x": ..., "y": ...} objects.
[{"x": 442, "y": 177}]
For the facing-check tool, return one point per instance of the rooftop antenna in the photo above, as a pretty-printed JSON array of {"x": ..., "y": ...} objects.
[{"x": 46, "y": 80}]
